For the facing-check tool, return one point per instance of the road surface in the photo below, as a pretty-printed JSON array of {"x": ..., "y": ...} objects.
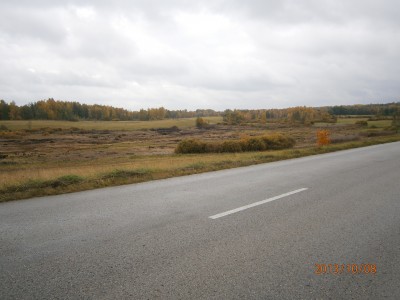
[{"x": 248, "y": 233}]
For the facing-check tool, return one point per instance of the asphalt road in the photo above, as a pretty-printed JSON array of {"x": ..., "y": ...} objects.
[{"x": 157, "y": 240}]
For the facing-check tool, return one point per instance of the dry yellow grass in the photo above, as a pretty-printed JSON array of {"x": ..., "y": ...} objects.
[
  {"x": 36, "y": 160},
  {"x": 164, "y": 163},
  {"x": 107, "y": 125}
]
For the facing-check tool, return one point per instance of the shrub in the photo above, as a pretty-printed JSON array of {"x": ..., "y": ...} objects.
[
  {"x": 231, "y": 146},
  {"x": 253, "y": 144},
  {"x": 278, "y": 142},
  {"x": 273, "y": 142},
  {"x": 201, "y": 123},
  {"x": 212, "y": 147},
  {"x": 323, "y": 138},
  {"x": 191, "y": 146}
]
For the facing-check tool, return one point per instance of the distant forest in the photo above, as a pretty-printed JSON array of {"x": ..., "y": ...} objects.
[
  {"x": 74, "y": 111},
  {"x": 51, "y": 109}
]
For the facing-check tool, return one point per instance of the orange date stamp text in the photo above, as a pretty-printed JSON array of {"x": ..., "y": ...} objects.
[{"x": 337, "y": 269}]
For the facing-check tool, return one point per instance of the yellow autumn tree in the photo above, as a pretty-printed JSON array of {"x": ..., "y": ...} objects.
[{"x": 323, "y": 138}]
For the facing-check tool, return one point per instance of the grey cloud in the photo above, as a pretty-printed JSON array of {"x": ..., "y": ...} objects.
[
  {"x": 316, "y": 11},
  {"x": 219, "y": 53},
  {"x": 32, "y": 24}
]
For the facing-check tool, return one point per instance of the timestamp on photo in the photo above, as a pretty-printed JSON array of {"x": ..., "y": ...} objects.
[{"x": 338, "y": 269}]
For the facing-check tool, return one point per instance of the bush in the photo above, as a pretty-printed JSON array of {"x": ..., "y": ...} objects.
[
  {"x": 231, "y": 146},
  {"x": 191, "y": 146},
  {"x": 323, "y": 138},
  {"x": 278, "y": 142},
  {"x": 212, "y": 147},
  {"x": 253, "y": 144},
  {"x": 273, "y": 142},
  {"x": 201, "y": 123}
]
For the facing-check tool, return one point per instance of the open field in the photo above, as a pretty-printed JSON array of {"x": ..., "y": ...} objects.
[
  {"x": 106, "y": 125},
  {"x": 53, "y": 157}
]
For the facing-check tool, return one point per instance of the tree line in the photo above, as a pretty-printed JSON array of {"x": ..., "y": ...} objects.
[
  {"x": 300, "y": 114},
  {"x": 388, "y": 109},
  {"x": 309, "y": 115},
  {"x": 51, "y": 109}
]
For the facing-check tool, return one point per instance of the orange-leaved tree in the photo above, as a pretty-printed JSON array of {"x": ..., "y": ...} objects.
[{"x": 323, "y": 138}]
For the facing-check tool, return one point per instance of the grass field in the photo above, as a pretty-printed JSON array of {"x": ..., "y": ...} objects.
[
  {"x": 350, "y": 121},
  {"x": 379, "y": 124},
  {"x": 53, "y": 157},
  {"x": 106, "y": 125}
]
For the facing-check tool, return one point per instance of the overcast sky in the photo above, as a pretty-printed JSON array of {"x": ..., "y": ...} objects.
[{"x": 200, "y": 54}]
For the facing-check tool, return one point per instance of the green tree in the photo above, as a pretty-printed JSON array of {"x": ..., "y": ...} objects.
[
  {"x": 233, "y": 117},
  {"x": 4, "y": 110},
  {"x": 14, "y": 111}
]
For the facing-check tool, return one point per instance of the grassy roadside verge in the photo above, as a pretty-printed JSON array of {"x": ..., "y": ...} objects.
[{"x": 167, "y": 166}]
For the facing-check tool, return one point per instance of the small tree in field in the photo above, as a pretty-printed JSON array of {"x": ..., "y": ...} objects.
[
  {"x": 323, "y": 138},
  {"x": 201, "y": 123}
]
